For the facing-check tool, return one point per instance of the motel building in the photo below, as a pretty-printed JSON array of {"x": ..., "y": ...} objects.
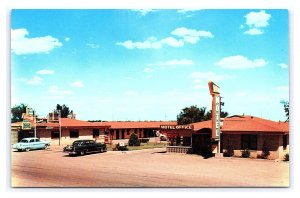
[{"x": 239, "y": 131}]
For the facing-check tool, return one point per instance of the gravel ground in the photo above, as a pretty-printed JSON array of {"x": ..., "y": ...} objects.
[{"x": 144, "y": 168}]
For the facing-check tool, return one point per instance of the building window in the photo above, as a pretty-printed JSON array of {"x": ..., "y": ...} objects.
[
  {"x": 96, "y": 133},
  {"x": 128, "y": 131},
  {"x": 54, "y": 134},
  {"x": 249, "y": 142},
  {"x": 284, "y": 139},
  {"x": 74, "y": 134}
]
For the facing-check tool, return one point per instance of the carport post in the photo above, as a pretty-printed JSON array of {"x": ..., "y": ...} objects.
[{"x": 34, "y": 126}]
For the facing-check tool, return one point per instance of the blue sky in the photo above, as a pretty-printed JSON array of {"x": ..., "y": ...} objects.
[{"x": 149, "y": 64}]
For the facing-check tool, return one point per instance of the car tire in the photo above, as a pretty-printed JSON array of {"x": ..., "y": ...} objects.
[
  {"x": 101, "y": 150},
  {"x": 82, "y": 153},
  {"x": 27, "y": 149},
  {"x": 19, "y": 150}
]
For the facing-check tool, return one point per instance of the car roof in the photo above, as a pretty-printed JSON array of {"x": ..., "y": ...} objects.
[
  {"x": 82, "y": 140},
  {"x": 29, "y": 138}
]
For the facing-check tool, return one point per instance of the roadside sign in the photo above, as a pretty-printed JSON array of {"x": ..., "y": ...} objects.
[
  {"x": 29, "y": 111},
  {"x": 26, "y": 125},
  {"x": 27, "y": 117}
]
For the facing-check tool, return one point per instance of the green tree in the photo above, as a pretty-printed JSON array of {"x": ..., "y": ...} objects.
[
  {"x": 192, "y": 114},
  {"x": 17, "y": 111},
  {"x": 64, "y": 109},
  {"x": 134, "y": 140},
  {"x": 286, "y": 107}
]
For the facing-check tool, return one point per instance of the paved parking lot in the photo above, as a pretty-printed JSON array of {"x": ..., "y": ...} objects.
[{"x": 145, "y": 168}]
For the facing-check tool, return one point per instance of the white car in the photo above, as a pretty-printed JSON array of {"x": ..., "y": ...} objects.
[{"x": 28, "y": 144}]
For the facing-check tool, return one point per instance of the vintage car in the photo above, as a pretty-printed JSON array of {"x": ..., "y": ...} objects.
[
  {"x": 82, "y": 147},
  {"x": 28, "y": 144}
]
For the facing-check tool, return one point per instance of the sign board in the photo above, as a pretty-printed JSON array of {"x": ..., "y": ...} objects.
[
  {"x": 217, "y": 115},
  {"x": 213, "y": 88},
  {"x": 27, "y": 117},
  {"x": 216, "y": 109},
  {"x": 177, "y": 127},
  {"x": 29, "y": 111},
  {"x": 48, "y": 127},
  {"x": 26, "y": 125}
]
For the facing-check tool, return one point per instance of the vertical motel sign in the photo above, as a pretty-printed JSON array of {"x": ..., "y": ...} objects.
[{"x": 216, "y": 102}]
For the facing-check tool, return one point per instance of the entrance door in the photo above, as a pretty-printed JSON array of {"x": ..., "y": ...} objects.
[
  {"x": 96, "y": 133},
  {"x": 201, "y": 144}
]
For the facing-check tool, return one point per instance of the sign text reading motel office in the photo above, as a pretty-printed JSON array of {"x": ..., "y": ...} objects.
[{"x": 177, "y": 127}]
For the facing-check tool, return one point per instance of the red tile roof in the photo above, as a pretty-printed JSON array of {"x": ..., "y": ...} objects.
[
  {"x": 202, "y": 125},
  {"x": 238, "y": 123},
  {"x": 136, "y": 125}
]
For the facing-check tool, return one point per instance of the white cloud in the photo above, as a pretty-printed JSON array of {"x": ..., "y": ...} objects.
[
  {"x": 67, "y": 39},
  {"x": 190, "y": 35},
  {"x": 55, "y": 90},
  {"x": 254, "y": 31},
  {"x": 45, "y": 71},
  {"x": 35, "y": 80},
  {"x": 21, "y": 44},
  {"x": 283, "y": 65},
  {"x": 240, "y": 62},
  {"x": 174, "y": 62},
  {"x": 77, "y": 83},
  {"x": 144, "y": 12},
  {"x": 172, "y": 42},
  {"x": 148, "y": 70},
  {"x": 185, "y": 36},
  {"x": 199, "y": 77},
  {"x": 151, "y": 42},
  {"x": 184, "y": 11},
  {"x": 93, "y": 45},
  {"x": 256, "y": 21}
]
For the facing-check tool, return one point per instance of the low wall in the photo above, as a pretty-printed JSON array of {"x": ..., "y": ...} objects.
[{"x": 179, "y": 149}]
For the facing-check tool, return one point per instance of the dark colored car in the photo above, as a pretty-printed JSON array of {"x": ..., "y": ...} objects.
[{"x": 82, "y": 147}]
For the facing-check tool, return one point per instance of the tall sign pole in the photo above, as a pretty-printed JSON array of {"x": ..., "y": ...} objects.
[{"x": 216, "y": 111}]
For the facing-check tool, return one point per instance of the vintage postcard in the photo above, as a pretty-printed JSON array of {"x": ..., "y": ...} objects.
[{"x": 149, "y": 98}]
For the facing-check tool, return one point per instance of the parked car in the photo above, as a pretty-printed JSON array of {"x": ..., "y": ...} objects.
[
  {"x": 28, "y": 144},
  {"x": 82, "y": 147}
]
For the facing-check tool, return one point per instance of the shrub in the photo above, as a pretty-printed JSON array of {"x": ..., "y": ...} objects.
[
  {"x": 134, "y": 140},
  {"x": 122, "y": 148},
  {"x": 229, "y": 150},
  {"x": 265, "y": 151},
  {"x": 144, "y": 140},
  {"x": 246, "y": 153},
  {"x": 287, "y": 157}
]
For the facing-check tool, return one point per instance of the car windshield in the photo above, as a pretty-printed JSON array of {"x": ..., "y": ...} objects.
[{"x": 24, "y": 141}]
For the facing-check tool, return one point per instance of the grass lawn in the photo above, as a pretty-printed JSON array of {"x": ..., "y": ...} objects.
[{"x": 148, "y": 145}]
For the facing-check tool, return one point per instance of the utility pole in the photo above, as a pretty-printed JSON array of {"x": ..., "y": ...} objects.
[{"x": 59, "y": 121}]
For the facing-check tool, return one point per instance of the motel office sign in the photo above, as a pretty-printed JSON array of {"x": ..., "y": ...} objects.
[{"x": 177, "y": 127}]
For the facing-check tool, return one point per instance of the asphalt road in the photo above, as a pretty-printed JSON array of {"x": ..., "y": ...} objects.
[{"x": 147, "y": 168}]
